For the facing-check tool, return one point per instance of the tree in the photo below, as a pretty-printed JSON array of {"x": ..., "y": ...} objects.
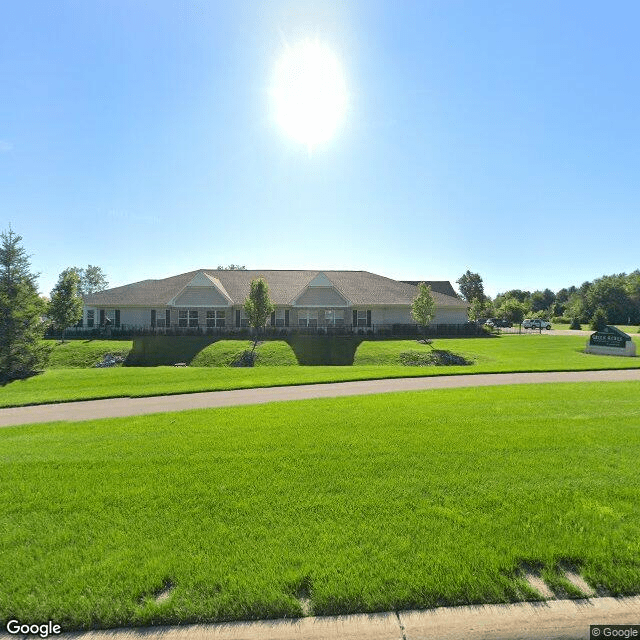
[
  {"x": 423, "y": 308},
  {"x": 542, "y": 300},
  {"x": 258, "y": 307},
  {"x": 599, "y": 319},
  {"x": 512, "y": 310},
  {"x": 232, "y": 267},
  {"x": 471, "y": 286},
  {"x": 91, "y": 280},
  {"x": 65, "y": 307},
  {"x": 22, "y": 349},
  {"x": 476, "y": 310}
]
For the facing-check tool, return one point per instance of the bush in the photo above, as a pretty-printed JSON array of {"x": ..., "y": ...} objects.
[
  {"x": 575, "y": 323},
  {"x": 599, "y": 319},
  {"x": 434, "y": 358}
]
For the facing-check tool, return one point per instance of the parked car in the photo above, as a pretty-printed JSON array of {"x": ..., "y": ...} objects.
[
  {"x": 536, "y": 323},
  {"x": 498, "y": 322}
]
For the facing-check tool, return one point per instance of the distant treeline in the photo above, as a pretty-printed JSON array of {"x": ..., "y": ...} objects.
[{"x": 616, "y": 296}]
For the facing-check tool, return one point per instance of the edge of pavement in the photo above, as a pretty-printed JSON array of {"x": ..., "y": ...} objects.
[{"x": 545, "y": 620}]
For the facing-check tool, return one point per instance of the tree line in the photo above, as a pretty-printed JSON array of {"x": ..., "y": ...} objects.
[{"x": 614, "y": 299}]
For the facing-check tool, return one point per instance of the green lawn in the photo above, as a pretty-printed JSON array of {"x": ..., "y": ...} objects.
[
  {"x": 374, "y": 503},
  {"x": 627, "y": 328},
  {"x": 273, "y": 353},
  {"x": 373, "y": 360},
  {"x": 84, "y": 353}
]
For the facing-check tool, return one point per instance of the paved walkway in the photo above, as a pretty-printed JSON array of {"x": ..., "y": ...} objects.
[
  {"x": 552, "y": 620},
  {"x": 121, "y": 407}
]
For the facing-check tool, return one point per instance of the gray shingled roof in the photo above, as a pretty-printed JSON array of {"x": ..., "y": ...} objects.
[
  {"x": 440, "y": 286},
  {"x": 359, "y": 287}
]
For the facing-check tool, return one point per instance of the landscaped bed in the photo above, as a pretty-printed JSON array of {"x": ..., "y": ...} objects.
[
  {"x": 375, "y": 503},
  {"x": 373, "y": 360}
]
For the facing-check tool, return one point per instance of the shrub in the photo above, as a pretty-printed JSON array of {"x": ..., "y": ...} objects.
[
  {"x": 435, "y": 358},
  {"x": 575, "y": 323}
]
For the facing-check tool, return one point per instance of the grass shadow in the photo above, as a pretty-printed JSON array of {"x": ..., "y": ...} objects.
[{"x": 325, "y": 350}]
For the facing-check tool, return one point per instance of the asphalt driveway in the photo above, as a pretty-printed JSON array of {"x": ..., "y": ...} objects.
[{"x": 122, "y": 407}]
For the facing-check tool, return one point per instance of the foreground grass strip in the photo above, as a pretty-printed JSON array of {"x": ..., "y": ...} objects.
[
  {"x": 377, "y": 503},
  {"x": 374, "y": 360}
]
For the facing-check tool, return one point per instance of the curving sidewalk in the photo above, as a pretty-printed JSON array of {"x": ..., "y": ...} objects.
[{"x": 122, "y": 407}]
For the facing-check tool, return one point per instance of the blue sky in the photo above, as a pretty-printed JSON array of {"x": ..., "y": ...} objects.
[{"x": 501, "y": 137}]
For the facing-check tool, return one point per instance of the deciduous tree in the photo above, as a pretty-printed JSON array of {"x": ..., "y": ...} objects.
[
  {"x": 65, "y": 307},
  {"x": 423, "y": 308},
  {"x": 91, "y": 280},
  {"x": 471, "y": 286},
  {"x": 258, "y": 307}
]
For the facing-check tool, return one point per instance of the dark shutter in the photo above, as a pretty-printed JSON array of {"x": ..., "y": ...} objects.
[
  {"x": 286, "y": 317},
  {"x": 101, "y": 317},
  {"x": 167, "y": 321},
  {"x": 117, "y": 317},
  {"x": 238, "y": 318},
  {"x": 368, "y": 318},
  {"x": 153, "y": 317},
  {"x": 355, "y": 318},
  {"x": 273, "y": 319}
]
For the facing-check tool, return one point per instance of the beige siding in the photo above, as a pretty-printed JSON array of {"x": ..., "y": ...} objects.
[
  {"x": 450, "y": 315},
  {"x": 201, "y": 297},
  {"x": 391, "y": 315},
  {"x": 136, "y": 317},
  {"x": 320, "y": 296}
]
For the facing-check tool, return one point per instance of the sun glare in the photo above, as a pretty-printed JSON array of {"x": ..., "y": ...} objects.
[{"x": 309, "y": 93}]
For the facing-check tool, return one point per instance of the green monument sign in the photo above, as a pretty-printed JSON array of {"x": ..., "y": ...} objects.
[
  {"x": 611, "y": 341},
  {"x": 609, "y": 337}
]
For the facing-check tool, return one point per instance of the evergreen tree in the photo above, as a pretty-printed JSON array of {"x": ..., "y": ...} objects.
[
  {"x": 22, "y": 349},
  {"x": 65, "y": 308},
  {"x": 599, "y": 319}
]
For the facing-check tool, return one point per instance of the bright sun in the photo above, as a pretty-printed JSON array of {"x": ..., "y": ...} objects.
[{"x": 309, "y": 93}]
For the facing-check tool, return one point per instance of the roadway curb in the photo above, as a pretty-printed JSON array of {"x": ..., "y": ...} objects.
[{"x": 550, "y": 620}]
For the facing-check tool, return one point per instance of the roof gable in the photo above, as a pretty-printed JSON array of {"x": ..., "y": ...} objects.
[{"x": 204, "y": 290}]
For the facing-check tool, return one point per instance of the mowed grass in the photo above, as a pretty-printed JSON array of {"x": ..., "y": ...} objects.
[
  {"x": 272, "y": 353},
  {"x": 373, "y": 360},
  {"x": 510, "y": 352},
  {"x": 80, "y": 354},
  {"x": 586, "y": 326},
  {"x": 362, "y": 504}
]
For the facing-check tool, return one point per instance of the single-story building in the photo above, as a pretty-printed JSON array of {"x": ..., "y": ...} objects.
[{"x": 214, "y": 299}]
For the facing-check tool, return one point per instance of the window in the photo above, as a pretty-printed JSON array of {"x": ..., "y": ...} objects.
[
  {"x": 91, "y": 318},
  {"x": 193, "y": 318},
  {"x": 183, "y": 317},
  {"x": 334, "y": 316},
  {"x": 216, "y": 318},
  {"x": 362, "y": 318},
  {"x": 307, "y": 318},
  {"x": 161, "y": 318},
  {"x": 279, "y": 317},
  {"x": 244, "y": 321}
]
